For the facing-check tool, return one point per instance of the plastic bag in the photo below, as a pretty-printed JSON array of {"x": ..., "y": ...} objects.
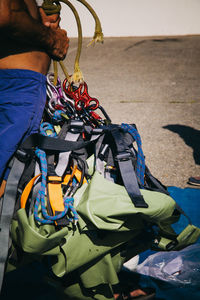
[{"x": 177, "y": 267}]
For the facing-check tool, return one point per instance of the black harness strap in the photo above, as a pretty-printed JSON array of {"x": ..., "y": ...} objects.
[
  {"x": 8, "y": 206},
  {"x": 127, "y": 170},
  {"x": 153, "y": 183},
  {"x": 56, "y": 144},
  {"x": 52, "y": 144}
]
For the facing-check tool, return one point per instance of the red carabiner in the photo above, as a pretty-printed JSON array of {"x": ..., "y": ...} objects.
[
  {"x": 81, "y": 96},
  {"x": 72, "y": 91}
]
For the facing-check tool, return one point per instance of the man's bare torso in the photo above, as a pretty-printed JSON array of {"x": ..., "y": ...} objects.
[{"x": 19, "y": 55}]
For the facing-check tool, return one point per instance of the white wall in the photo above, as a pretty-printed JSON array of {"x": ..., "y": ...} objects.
[{"x": 136, "y": 17}]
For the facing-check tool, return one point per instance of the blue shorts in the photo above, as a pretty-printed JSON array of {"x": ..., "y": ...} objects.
[{"x": 22, "y": 101}]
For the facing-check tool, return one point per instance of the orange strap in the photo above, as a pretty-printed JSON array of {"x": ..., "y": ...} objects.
[
  {"x": 78, "y": 176},
  {"x": 2, "y": 187},
  {"x": 75, "y": 172},
  {"x": 55, "y": 190},
  {"x": 55, "y": 193},
  {"x": 27, "y": 191}
]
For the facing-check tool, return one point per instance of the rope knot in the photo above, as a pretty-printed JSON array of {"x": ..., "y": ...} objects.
[{"x": 51, "y": 7}]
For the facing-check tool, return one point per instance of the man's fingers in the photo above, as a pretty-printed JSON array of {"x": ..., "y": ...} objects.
[
  {"x": 60, "y": 43},
  {"x": 53, "y": 20},
  {"x": 42, "y": 14},
  {"x": 61, "y": 52},
  {"x": 47, "y": 24}
]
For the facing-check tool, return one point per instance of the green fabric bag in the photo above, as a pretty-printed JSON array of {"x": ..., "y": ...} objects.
[
  {"x": 106, "y": 205},
  {"x": 42, "y": 240},
  {"x": 102, "y": 206},
  {"x": 108, "y": 224}
]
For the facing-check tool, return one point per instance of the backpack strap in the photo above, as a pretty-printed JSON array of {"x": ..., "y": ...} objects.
[
  {"x": 127, "y": 171},
  {"x": 153, "y": 183},
  {"x": 73, "y": 133},
  {"x": 188, "y": 236},
  {"x": 8, "y": 205},
  {"x": 169, "y": 240}
]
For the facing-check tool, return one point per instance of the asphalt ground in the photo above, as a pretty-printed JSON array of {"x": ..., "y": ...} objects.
[{"x": 154, "y": 83}]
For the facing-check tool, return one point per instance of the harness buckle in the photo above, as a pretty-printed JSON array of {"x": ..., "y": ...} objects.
[
  {"x": 123, "y": 156},
  {"x": 164, "y": 244},
  {"x": 22, "y": 156},
  {"x": 76, "y": 126},
  {"x": 54, "y": 179}
]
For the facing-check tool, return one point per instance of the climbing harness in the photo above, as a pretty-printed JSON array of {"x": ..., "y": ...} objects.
[{"x": 58, "y": 114}]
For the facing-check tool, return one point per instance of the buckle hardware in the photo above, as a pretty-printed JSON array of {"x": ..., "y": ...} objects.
[
  {"x": 54, "y": 179},
  {"x": 76, "y": 126},
  {"x": 22, "y": 155},
  {"x": 123, "y": 156}
]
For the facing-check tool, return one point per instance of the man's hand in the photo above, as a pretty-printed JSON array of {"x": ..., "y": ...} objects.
[
  {"x": 60, "y": 44},
  {"x": 60, "y": 41},
  {"x": 51, "y": 21},
  {"x": 20, "y": 20}
]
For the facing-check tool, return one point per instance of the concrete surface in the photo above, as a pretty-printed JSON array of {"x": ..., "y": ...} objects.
[{"x": 154, "y": 83}]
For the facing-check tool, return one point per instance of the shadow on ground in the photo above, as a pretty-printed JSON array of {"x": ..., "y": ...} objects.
[{"x": 191, "y": 137}]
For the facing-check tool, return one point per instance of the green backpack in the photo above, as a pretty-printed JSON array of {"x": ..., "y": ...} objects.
[{"x": 84, "y": 198}]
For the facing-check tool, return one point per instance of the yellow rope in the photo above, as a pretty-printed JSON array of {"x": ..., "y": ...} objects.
[
  {"x": 64, "y": 70},
  {"x": 55, "y": 68},
  {"x": 98, "y": 34},
  {"x": 51, "y": 7},
  {"x": 77, "y": 75}
]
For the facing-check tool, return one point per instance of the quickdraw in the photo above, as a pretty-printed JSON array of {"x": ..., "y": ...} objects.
[
  {"x": 57, "y": 100},
  {"x": 73, "y": 102}
]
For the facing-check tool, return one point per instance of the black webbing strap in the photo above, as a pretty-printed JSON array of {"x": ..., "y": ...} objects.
[
  {"x": 8, "y": 206},
  {"x": 156, "y": 183},
  {"x": 52, "y": 144},
  {"x": 127, "y": 170}
]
